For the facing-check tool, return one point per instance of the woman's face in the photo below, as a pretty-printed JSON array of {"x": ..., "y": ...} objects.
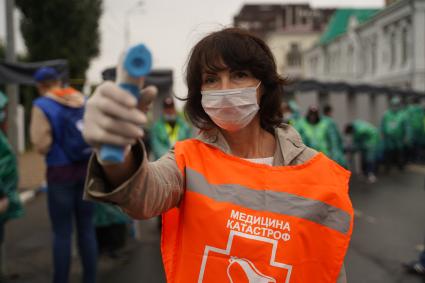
[{"x": 228, "y": 79}]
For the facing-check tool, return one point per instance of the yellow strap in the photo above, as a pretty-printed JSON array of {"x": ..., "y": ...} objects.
[{"x": 172, "y": 133}]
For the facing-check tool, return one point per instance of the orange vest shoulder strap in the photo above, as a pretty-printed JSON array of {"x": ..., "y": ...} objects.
[{"x": 183, "y": 150}]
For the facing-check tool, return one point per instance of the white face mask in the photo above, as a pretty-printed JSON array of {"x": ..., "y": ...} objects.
[
  {"x": 231, "y": 109},
  {"x": 170, "y": 117}
]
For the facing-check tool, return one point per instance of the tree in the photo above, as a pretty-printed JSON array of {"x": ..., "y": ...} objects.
[{"x": 56, "y": 29}]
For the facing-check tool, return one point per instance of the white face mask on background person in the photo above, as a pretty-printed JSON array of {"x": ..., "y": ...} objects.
[
  {"x": 231, "y": 109},
  {"x": 170, "y": 117}
]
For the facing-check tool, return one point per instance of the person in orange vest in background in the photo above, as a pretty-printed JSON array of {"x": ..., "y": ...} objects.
[
  {"x": 246, "y": 199},
  {"x": 55, "y": 130}
]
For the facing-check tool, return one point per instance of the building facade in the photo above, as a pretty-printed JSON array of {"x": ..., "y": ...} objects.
[
  {"x": 289, "y": 30},
  {"x": 383, "y": 47},
  {"x": 387, "y": 48}
]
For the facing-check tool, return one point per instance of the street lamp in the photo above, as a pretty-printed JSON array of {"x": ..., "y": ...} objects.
[{"x": 129, "y": 11}]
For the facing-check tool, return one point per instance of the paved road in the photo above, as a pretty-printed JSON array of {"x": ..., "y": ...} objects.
[{"x": 389, "y": 229}]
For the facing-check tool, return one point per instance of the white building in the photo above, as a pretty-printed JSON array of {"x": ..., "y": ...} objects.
[
  {"x": 288, "y": 48},
  {"x": 385, "y": 48},
  {"x": 382, "y": 48},
  {"x": 289, "y": 30}
]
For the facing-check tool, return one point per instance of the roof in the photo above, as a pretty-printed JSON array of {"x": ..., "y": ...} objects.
[
  {"x": 339, "y": 22},
  {"x": 341, "y": 86}
]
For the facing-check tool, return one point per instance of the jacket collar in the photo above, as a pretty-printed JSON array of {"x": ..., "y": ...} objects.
[{"x": 289, "y": 143}]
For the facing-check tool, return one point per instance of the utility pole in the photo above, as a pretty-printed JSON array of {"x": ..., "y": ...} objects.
[
  {"x": 128, "y": 12},
  {"x": 11, "y": 89}
]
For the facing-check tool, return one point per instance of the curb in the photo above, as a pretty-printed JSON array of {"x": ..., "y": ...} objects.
[
  {"x": 417, "y": 168},
  {"x": 26, "y": 195}
]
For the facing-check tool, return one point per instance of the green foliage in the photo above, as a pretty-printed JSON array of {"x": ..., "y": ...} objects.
[{"x": 62, "y": 29}]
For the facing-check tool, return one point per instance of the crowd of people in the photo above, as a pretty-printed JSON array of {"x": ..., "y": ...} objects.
[{"x": 399, "y": 138}]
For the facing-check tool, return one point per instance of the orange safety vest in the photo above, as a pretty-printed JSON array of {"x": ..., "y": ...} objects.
[{"x": 244, "y": 222}]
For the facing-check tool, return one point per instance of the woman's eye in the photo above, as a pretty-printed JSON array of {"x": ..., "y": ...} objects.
[
  {"x": 240, "y": 75},
  {"x": 209, "y": 80}
]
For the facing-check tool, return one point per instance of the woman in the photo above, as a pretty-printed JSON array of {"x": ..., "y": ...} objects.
[{"x": 245, "y": 199}]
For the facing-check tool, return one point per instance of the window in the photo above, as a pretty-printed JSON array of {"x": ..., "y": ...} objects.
[
  {"x": 327, "y": 62},
  {"x": 317, "y": 23},
  {"x": 335, "y": 61},
  {"x": 393, "y": 49},
  {"x": 373, "y": 55},
  {"x": 294, "y": 56},
  {"x": 303, "y": 14},
  {"x": 350, "y": 59},
  {"x": 404, "y": 45},
  {"x": 364, "y": 57},
  {"x": 314, "y": 63}
]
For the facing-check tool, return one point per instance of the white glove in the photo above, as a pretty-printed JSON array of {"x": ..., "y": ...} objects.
[{"x": 112, "y": 116}]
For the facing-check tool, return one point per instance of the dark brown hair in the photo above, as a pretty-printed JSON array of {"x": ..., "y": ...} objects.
[{"x": 237, "y": 49}]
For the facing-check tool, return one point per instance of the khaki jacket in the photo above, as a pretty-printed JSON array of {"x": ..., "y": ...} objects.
[
  {"x": 40, "y": 129},
  {"x": 158, "y": 186}
]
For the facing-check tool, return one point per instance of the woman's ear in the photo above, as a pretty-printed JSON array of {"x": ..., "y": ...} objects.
[{"x": 260, "y": 93}]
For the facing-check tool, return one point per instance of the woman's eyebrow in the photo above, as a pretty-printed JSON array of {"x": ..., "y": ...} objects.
[
  {"x": 238, "y": 70},
  {"x": 209, "y": 72}
]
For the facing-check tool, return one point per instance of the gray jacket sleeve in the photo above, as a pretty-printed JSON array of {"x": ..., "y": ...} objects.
[
  {"x": 153, "y": 189},
  {"x": 342, "y": 278}
]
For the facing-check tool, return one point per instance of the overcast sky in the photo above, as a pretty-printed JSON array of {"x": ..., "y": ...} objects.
[{"x": 169, "y": 28}]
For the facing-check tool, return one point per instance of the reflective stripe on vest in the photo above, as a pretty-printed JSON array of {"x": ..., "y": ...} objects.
[
  {"x": 281, "y": 202},
  {"x": 245, "y": 222}
]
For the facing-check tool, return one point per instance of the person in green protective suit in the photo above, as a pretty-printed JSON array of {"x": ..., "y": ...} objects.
[
  {"x": 10, "y": 204},
  {"x": 366, "y": 140},
  {"x": 415, "y": 131},
  {"x": 290, "y": 111},
  {"x": 169, "y": 129},
  {"x": 111, "y": 229},
  {"x": 393, "y": 131},
  {"x": 317, "y": 133},
  {"x": 337, "y": 153}
]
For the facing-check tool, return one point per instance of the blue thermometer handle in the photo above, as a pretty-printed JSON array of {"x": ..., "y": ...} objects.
[{"x": 137, "y": 63}]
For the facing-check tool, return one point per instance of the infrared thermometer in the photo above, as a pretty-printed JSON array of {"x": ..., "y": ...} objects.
[{"x": 135, "y": 64}]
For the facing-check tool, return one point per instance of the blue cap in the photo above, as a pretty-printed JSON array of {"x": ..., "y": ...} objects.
[{"x": 46, "y": 74}]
